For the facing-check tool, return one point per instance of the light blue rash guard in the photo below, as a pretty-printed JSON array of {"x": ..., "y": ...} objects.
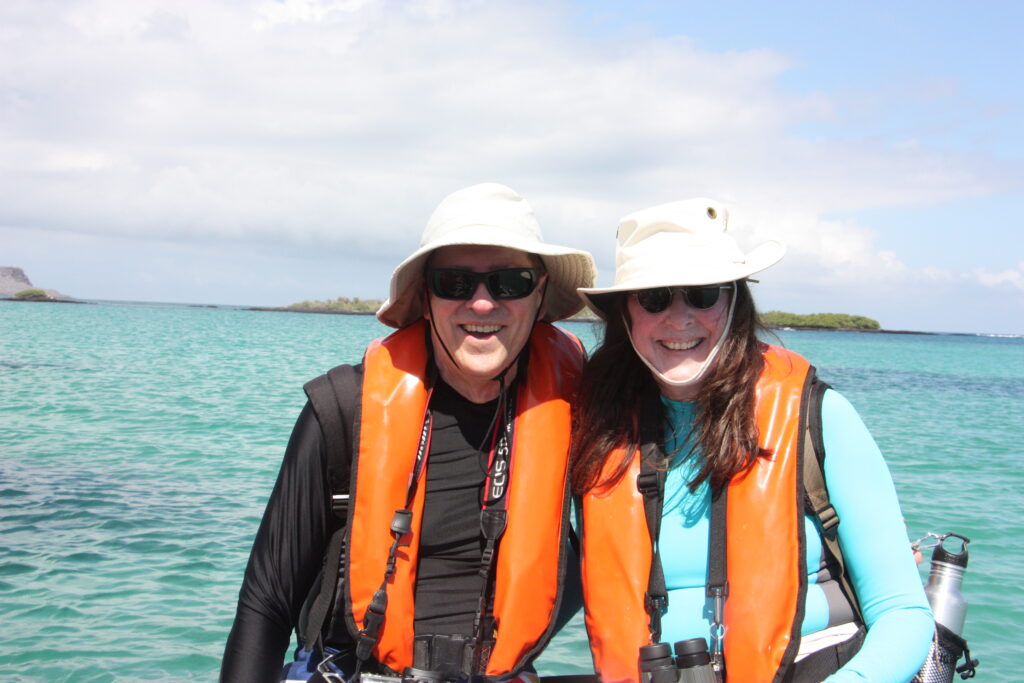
[{"x": 872, "y": 536}]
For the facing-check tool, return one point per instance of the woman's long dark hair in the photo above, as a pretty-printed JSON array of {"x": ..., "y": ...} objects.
[{"x": 618, "y": 389}]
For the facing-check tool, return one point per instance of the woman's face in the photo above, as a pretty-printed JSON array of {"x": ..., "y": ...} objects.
[{"x": 677, "y": 340}]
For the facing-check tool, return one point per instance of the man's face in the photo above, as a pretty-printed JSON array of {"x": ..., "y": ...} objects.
[{"x": 483, "y": 334}]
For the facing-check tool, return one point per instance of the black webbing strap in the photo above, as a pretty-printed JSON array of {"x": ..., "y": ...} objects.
[
  {"x": 493, "y": 521},
  {"x": 718, "y": 582},
  {"x": 333, "y": 399},
  {"x": 816, "y": 489},
  {"x": 651, "y": 484},
  {"x": 814, "y": 479},
  {"x": 324, "y": 597}
]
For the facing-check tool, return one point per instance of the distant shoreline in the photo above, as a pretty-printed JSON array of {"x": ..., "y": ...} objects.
[
  {"x": 595, "y": 319},
  {"x": 316, "y": 311},
  {"x": 808, "y": 328},
  {"x": 42, "y": 301},
  {"x": 275, "y": 309}
]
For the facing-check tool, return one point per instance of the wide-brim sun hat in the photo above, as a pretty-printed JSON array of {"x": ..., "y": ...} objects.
[
  {"x": 489, "y": 214},
  {"x": 678, "y": 244}
]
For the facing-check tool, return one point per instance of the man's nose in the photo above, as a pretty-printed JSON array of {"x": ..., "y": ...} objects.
[{"x": 482, "y": 301}]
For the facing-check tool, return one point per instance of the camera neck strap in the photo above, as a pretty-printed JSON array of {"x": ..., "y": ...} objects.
[{"x": 493, "y": 521}]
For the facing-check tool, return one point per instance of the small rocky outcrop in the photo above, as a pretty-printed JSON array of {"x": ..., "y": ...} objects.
[{"x": 14, "y": 280}]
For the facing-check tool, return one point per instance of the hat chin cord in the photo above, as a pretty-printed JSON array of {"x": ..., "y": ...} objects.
[
  {"x": 703, "y": 366},
  {"x": 500, "y": 377}
]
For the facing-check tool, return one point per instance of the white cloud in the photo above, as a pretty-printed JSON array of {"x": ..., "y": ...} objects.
[
  {"x": 1013, "y": 277},
  {"x": 340, "y": 123}
]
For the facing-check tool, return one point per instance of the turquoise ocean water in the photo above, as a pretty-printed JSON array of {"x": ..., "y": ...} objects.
[{"x": 138, "y": 445}]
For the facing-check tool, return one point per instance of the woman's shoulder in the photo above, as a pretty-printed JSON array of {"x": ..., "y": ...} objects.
[{"x": 836, "y": 407}]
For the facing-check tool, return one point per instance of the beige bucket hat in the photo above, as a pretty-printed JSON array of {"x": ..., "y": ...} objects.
[
  {"x": 677, "y": 244},
  {"x": 493, "y": 215}
]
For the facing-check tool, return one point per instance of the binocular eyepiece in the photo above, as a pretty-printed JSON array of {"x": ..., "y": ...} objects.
[{"x": 692, "y": 663}]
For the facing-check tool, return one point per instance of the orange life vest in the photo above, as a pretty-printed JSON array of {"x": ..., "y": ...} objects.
[
  {"x": 530, "y": 565},
  {"x": 767, "y": 581}
]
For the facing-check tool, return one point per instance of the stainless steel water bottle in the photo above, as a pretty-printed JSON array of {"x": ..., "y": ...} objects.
[
  {"x": 950, "y": 610},
  {"x": 943, "y": 587}
]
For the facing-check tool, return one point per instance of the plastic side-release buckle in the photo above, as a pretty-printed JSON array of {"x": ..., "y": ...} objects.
[
  {"x": 372, "y": 622},
  {"x": 829, "y": 519}
]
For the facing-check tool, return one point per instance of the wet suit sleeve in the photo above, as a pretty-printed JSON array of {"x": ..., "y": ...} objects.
[
  {"x": 285, "y": 559},
  {"x": 875, "y": 545}
]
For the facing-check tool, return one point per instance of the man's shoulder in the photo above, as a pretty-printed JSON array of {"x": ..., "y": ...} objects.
[{"x": 334, "y": 387}]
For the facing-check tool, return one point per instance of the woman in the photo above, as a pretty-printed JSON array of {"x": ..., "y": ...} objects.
[{"x": 683, "y": 410}]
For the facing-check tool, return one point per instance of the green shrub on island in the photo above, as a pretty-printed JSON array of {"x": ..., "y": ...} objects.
[
  {"x": 342, "y": 304},
  {"x": 584, "y": 315},
  {"x": 31, "y": 295},
  {"x": 831, "y": 321}
]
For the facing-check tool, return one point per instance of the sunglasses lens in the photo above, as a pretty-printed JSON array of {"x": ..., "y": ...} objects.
[
  {"x": 702, "y": 298},
  {"x": 514, "y": 283},
  {"x": 654, "y": 300},
  {"x": 657, "y": 300},
  {"x": 452, "y": 284}
]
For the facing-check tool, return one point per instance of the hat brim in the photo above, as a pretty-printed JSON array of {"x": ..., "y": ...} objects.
[
  {"x": 684, "y": 274},
  {"x": 568, "y": 270}
]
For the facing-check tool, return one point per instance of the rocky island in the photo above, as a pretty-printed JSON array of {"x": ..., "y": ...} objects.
[{"x": 14, "y": 284}]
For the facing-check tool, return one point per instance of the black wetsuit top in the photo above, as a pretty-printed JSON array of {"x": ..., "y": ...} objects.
[
  {"x": 448, "y": 581},
  {"x": 289, "y": 547}
]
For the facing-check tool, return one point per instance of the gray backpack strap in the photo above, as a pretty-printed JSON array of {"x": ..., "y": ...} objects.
[
  {"x": 816, "y": 491},
  {"x": 333, "y": 397}
]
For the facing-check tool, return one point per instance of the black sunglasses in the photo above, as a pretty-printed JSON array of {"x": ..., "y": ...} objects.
[
  {"x": 701, "y": 297},
  {"x": 507, "y": 283}
]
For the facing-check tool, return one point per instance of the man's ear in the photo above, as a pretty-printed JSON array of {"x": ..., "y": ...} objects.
[
  {"x": 543, "y": 295},
  {"x": 424, "y": 303}
]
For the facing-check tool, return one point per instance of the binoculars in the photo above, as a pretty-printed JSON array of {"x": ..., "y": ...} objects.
[
  {"x": 409, "y": 675},
  {"x": 691, "y": 664},
  {"x": 412, "y": 675}
]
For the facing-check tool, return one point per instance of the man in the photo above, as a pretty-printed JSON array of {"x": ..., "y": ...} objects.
[{"x": 453, "y": 436}]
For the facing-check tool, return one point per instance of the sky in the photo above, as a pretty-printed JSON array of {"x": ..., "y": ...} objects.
[{"x": 267, "y": 152}]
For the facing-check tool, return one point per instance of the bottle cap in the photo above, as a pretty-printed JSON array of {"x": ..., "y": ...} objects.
[{"x": 940, "y": 554}]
